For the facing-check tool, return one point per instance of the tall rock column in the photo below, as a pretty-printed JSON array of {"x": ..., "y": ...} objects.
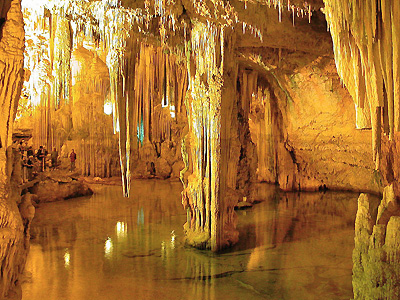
[
  {"x": 211, "y": 219},
  {"x": 13, "y": 249}
]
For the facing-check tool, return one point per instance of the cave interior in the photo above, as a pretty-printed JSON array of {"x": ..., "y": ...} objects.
[{"x": 219, "y": 95}]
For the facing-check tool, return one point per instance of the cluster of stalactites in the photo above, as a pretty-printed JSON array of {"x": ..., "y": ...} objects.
[
  {"x": 37, "y": 56},
  {"x": 147, "y": 88},
  {"x": 62, "y": 45},
  {"x": 366, "y": 47},
  {"x": 47, "y": 57},
  {"x": 296, "y": 10}
]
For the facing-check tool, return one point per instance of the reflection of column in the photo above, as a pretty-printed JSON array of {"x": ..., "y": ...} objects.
[
  {"x": 201, "y": 269},
  {"x": 140, "y": 218},
  {"x": 208, "y": 194}
]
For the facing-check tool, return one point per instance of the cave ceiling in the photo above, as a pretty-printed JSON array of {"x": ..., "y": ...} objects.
[{"x": 292, "y": 25}]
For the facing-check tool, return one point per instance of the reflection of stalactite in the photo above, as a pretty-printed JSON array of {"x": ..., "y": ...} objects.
[{"x": 367, "y": 54}]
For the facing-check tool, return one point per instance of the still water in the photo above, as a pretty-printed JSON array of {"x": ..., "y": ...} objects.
[{"x": 292, "y": 246}]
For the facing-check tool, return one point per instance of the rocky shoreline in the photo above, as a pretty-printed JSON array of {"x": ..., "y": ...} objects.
[{"x": 56, "y": 186}]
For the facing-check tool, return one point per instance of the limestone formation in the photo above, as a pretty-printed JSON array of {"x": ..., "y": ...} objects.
[
  {"x": 14, "y": 243},
  {"x": 366, "y": 47},
  {"x": 245, "y": 90},
  {"x": 376, "y": 252},
  {"x": 54, "y": 190}
]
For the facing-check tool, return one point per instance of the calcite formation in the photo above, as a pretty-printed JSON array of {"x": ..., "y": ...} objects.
[
  {"x": 14, "y": 243},
  {"x": 244, "y": 90},
  {"x": 218, "y": 93},
  {"x": 376, "y": 252},
  {"x": 366, "y": 47}
]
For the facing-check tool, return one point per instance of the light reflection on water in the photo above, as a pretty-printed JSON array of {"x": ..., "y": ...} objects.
[{"x": 292, "y": 246}]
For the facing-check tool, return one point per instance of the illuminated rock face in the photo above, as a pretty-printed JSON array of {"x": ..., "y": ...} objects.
[
  {"x": 212, "y": 144},
  {"x": 367, "y": 55},
  {"x": 14, "y": 243},
  {"x": 92, "y": 135},
  {"x": 304, "y": 129}
]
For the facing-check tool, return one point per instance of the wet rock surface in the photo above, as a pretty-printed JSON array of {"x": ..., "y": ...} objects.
[{"x": 57, "y": 186}]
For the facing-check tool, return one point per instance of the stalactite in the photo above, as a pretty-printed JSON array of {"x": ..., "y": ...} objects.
[
  {"x": 141, "y": 83},
  {"x": 61, "y": 58},
  {"x": 365, "y": 37}
]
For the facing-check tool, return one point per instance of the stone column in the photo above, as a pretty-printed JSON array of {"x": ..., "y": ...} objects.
[{"x": 209, "y": 190}]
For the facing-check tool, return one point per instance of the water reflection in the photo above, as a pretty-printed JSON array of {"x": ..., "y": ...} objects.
[
  {"x": 108, "y": 247},
  {"x": 292, "y": 246},
  {"x": 121, "y": 229},
  {"x": 67, "y": 258}
]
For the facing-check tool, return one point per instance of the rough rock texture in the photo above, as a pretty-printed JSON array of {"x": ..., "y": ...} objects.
[
  {"x": 163, "y": 169},
  {"x": 305, "y": 133},
  {"x": 211, "y": 149},
  {"x": 56, "y": 188},
  {"x": 14, "y": 243},
  {"x": 376, "y": 254},
  {"x": 368, "y": 60}
]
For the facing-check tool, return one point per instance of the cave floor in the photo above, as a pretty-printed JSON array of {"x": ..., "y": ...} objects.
[{"x": 292, "y": 246}]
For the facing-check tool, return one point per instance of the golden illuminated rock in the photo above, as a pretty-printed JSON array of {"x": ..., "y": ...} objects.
[{"x": 14, "y": 243}]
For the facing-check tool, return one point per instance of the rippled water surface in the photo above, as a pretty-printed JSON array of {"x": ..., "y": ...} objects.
[{"x": 292, "y": 246}]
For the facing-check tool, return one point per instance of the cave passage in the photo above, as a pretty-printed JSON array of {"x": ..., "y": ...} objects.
[{"x": 291, "y": 246}]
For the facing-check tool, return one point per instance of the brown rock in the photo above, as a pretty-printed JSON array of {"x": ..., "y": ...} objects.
[
  {"x": 177, "y": 168},
  {"x": 49, "y": 191},
  {"x": 163, "y": 169}
]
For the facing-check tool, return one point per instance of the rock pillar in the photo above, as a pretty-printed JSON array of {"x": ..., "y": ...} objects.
[{"x": 208, "y": 194}]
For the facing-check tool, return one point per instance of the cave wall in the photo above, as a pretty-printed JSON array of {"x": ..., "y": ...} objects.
[
  {"x": 305, "y": 131},
  {"x": 303, "y": 122},
  {"x": 92, "y": 136},
  {"x": 14, "y": 241}
]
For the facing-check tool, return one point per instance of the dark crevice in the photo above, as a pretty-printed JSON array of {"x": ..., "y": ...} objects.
[{"x": 4, "y": 8}]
